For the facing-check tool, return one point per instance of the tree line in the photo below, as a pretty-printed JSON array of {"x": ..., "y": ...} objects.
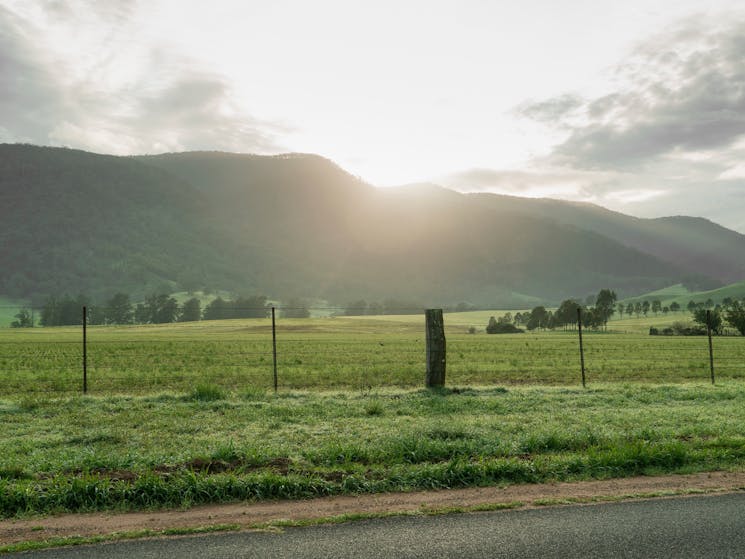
[
  {"x": 565, "y": 316},
  {"x": 155, "y": 309}
]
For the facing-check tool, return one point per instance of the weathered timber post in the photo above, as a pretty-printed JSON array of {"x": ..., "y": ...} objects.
[{"x": 435, "y": 327}]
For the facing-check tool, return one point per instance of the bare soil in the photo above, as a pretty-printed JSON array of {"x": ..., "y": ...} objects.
[{"x": 248, "y": 515}]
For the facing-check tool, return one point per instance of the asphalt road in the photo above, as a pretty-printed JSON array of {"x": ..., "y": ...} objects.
[{"x": 711, "y": 526}]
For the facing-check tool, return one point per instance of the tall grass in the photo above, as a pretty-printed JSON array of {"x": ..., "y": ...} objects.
[{"x": 171, "y": 449}]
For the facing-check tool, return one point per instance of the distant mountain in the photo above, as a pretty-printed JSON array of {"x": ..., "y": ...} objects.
[{"x": 298, "y": 225}]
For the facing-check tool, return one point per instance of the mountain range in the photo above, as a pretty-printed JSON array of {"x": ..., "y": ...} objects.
[{"x": 297, "y": 225}]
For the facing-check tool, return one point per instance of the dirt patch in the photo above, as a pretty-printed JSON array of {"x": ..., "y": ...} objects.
[{"x": 250, "y": 514}]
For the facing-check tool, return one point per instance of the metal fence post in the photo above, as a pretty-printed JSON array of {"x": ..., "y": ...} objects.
[
  {"x": 85, "y": 350},
  {"x": 711, "y": 347},
  {"x": 581, "y": 347},
  {"x": 274, "y": 347}
]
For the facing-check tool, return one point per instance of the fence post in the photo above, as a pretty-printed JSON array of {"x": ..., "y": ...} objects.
[
  {"x": 85, "y": 350},
  {"x": 435, "y": 339},
  {"x": 711, "y": 347},
  {"x": 581, "y": 347},
  {"x": 274, "y": 347}
]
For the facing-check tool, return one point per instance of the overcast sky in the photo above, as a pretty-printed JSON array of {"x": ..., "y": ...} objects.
[{"x": 637, "y": 105}]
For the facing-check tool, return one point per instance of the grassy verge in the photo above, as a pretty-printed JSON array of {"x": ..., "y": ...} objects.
[{"x": 207, "y": 446}]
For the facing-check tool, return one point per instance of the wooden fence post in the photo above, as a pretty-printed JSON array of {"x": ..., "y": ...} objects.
[{"x": 435, "y": 327}]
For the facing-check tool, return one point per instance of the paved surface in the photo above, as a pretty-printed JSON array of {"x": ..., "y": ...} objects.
[{"x": 712, "y": 526}]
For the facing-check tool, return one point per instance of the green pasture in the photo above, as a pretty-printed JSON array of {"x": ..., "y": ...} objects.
[
  {"x": 347, "y": 353},
  {"x": 205, "y": 444},
  {"x": 682, "y": 295},
  {"x": 182, "y": 414},
  {"x": 8, "y": 309}
]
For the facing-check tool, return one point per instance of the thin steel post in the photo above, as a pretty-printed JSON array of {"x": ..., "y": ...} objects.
[
  {"x": 274, "y": 347},
  {"x": 711, "y": 347},
  {"x": 581, "y": 347},
  {"x": 85, "y": 350}
]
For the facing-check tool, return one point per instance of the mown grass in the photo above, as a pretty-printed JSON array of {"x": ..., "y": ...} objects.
[
  {"x": 181, "y": 449},
  {"x": 344, "y": 353}
]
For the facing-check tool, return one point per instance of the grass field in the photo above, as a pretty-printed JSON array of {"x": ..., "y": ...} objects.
[
  {"x": 202, "y": 445},
  {"x": 183, "y": 414},
  {"x": 346, "y": 352},
  {"x": 682, "y": 295}
]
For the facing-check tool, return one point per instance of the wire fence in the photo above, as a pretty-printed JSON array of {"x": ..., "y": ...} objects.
[{"x": 327, "y": 355}]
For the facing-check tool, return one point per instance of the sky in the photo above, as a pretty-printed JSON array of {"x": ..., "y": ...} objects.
[{"x": 638, "y": 106}]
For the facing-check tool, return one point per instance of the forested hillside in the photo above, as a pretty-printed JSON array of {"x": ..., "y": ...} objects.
[{"x": 298, "y": 225}]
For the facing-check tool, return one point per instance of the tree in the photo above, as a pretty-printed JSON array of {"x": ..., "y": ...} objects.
[
  {"x": 502, "y": 327},
  {"x": 638, "y": 309},
  {"x": 63, "y": 312},
  {"x": 735, "y": 316},
  {"x": 621, "y": 309},
  {"x": 191, "y": 311},
  {"x": 675, "y": 306},
  {"x": 158, "y": 309},
  {"x": 506, "y": 318},
  {"x": 23, "y": 319},
  {"x": 645, "y": 307},
  {"x": 656, "y": 306},
  {"x": 118, "y": 309},
  {"x": 566, "y": 313},
  {"x": 217, "y": 309},
  {"x": 605, "y": 305},
  {"x": 713, "y": 318},
  {"x": 538, "y": 318},
  {"x": 691, "y": 305},
  {"x": 250, "y": 307},
  {"x": 295, "y": 308},
  {"x": 630, "y": 309}
]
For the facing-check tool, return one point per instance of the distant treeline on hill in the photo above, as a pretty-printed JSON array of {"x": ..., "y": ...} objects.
[{"x": 155, "y": 309}]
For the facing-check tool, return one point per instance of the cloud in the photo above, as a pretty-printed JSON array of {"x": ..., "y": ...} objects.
[
  {"x": 683, "y": 91},
  {"x": 118, "y": 96},
  {"x": 30, "y": 94},
  {"x": 536, "y": 182}
]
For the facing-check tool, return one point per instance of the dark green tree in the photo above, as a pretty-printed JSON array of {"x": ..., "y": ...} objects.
[
  {"x": 23, "y": 319},
  {"x": 249, "y": 307},
  {"x": 621, "y": 308},
  {"x": 191, "y": 311},
  {"x": 566, "y": 314},
  {"x": 656, "y": 306},
  {"x": 735, "y": 316},
  {"x": 605, "y": 305},
  {"x": 118, "y": 309},
  {"x": 713, "y": 318},
  {"x": 675, "y": 306},
  {"x": 538, "y": 318},
  {"x": 645, "y": 307},
  {"x": 159, "y": 309},
  {"x": 217, "y": 309}
]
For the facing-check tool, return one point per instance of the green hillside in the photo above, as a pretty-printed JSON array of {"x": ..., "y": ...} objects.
[
  {"x": 682, "y": 295},
  {"x": 297, "y": 226}
]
